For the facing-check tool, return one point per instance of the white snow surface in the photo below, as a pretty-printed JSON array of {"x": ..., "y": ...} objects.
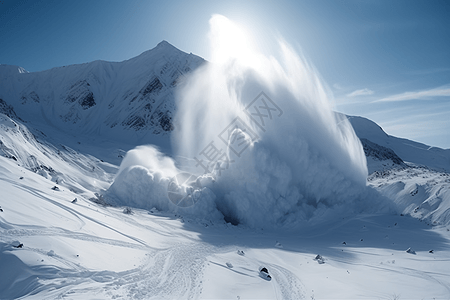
[
  {"x": 84, "y": 250},
  {"x": 419, "y": 191},
  {"x": 78, "y": 172}
]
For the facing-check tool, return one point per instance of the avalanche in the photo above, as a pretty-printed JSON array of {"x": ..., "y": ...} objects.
[{"x": 264, "y": 132}]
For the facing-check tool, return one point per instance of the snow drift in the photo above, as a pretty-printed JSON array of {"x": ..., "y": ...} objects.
[{"x": 263, "y": 132}]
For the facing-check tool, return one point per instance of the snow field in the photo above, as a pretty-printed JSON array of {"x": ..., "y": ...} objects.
[
  {"x": 83, "y": 251},
  {"x": 418, "y": 191}
]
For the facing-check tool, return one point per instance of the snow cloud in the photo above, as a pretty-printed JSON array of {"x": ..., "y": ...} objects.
[
  {"x": 143, "y": 180},
  {"x": 362, "y": 92},
  {"x": 299, "y": 159},
  {"x": 262, "y": 140}
]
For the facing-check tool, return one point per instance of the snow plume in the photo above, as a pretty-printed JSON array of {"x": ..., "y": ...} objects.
[
  {"x": 143, "y": 180},
  {"x": 150, "y": 158},
  {"x": 264, "y": 129},
  {"x": 261, "y": 135}
]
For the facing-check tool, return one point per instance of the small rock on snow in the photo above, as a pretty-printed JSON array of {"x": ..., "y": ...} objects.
[
  {"x": 128, "y": 211},
  {"x": 264, "y": 273},
  {"x": 319, "y": 259},
  {"x": 409, "y": 250}
]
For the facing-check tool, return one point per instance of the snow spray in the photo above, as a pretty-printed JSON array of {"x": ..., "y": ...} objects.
[
  {"x": 256, "y": 143},
  {"x": 265, "y": 130}
]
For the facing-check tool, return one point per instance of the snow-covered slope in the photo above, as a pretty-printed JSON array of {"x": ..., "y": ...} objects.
[
  {"x": 83, "y": 250},
  {"x": 407, "y": 150},
  {"x": 130, "y": 101},
  {"x": 413, "y": 175},
  {"x": 418, "y": 191},
  {"x": 81, "y": 173}
]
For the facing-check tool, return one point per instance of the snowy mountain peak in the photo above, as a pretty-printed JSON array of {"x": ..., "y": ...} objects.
[
  {"x": 164, "y": 43},
  {"x": 11, "y": 70},
  {"x": 163, "y": 50},
  {"x": 366, "y": 128},
  {"x": 108, "y": 99},
  {"x": 22, "y": 70}
]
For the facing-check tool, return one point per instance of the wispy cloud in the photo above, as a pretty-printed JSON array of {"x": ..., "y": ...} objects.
[
  {"x": 420, "y": 95},
  {"x": 428, "y": 71},
  {"x": 363, "y": 92},
  {"x": 337, "y": 86}
]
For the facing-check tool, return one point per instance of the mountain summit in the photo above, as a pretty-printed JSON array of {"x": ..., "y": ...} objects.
[{"x": 112, "y": 99}]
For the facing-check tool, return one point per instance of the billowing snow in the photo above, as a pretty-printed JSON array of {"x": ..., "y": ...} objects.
[{"x": 264, "y": 131}]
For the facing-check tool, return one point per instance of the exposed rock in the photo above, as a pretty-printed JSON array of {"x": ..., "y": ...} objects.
[
  {"x": 380, "y": 153},
  {"x": 8, "y": 110}
]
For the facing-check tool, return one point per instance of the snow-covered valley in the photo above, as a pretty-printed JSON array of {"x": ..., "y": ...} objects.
[
  {"x": 60, "y": 238},
  {"x": 84, "y": 250}
]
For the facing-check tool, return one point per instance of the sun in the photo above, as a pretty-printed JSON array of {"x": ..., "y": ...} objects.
[{"x": 229, "y": 41}]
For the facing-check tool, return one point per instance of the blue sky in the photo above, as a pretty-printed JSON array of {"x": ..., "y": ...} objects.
[{"x": 385, "y": 60}]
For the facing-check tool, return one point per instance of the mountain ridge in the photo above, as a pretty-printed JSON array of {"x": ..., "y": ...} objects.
[
  {"x": 408, "y": 150},
  {"x": 97, "y": 97}
]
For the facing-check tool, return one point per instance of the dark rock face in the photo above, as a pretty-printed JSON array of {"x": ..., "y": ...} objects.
[
  {"x": 77, "y": 96},
  {"x": 88, "y": 101},
  {"x": 33, "y": 96},
  {"x": 135, "y": 122},
  {"x": 165, "y": 121},
  {"x": 380, "y": 153},
  {"x": 8, "y": 110},
  {"x": 153, "y": 86},
  {"x": 79, "y": 92}
]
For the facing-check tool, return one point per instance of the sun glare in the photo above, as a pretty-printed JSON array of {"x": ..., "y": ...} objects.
[{"x": 229, "y": 41}]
